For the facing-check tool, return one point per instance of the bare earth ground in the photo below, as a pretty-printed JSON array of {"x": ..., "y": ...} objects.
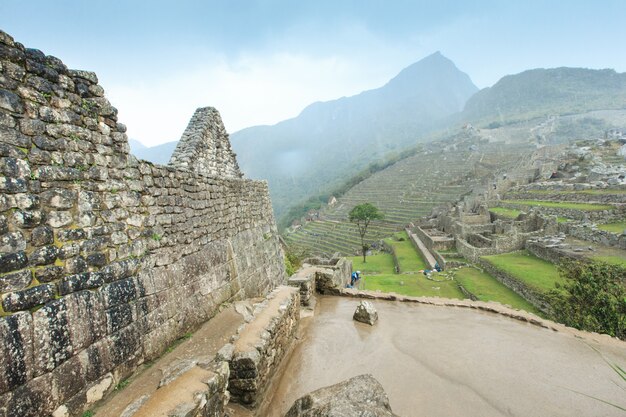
[
  {"x": 446, "y": 361},
  {"x": 206, "y": 341}
]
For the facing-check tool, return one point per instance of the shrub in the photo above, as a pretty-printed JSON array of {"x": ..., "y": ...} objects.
[{"x": 594, "y": 298}]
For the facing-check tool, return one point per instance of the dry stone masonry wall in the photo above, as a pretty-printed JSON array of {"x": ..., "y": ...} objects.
[{"x": 105, "y": 260}]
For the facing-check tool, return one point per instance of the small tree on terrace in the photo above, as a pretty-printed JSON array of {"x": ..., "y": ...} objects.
[{"x": 362, "y": 215}]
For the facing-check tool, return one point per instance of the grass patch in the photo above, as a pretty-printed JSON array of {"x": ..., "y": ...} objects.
[
  {"x": 122, "y": 384},
  {"x": 408, "y": 257},
  {"x": 506, "y": 212},
  {"x": 178, "y": 342},
  {"x": 375, "y": 264},
  {"x": 415, "y": 285},
  {"x": 560, "y": 219},
  {"x": 615, "y": 260},
  {"x": 534, "y": 272},
  {"x": 487, "y": 288},
  {"x": 561, "y": 204},
  {"x": 617, "y": 227}
]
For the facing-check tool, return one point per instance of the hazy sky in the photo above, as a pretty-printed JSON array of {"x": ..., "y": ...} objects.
[{"x": 259, "y": 62}]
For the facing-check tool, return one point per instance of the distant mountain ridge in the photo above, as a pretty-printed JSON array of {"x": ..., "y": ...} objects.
[
  {"x": 334, "y": 139},
  {"x": 541, "y": 92},
  {"x": 159, "y": 154}
]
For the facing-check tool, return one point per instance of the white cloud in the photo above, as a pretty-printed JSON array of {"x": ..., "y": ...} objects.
[{"x": 254, "y": 88}]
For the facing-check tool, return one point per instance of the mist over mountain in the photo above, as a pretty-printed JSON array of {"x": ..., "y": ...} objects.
[
  {"x": 331, "y": 140},
  {"x": 159, "y": 154},
  {"x": 542, "y": 92}
]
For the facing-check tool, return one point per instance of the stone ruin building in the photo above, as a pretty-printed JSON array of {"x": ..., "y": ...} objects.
[{"x": 105, "y": 260}]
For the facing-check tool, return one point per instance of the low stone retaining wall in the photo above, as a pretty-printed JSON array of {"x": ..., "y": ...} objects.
[
  {"x": 592, "y": 234},
  {"x": 330, "y": 278},
  {"x": 422, "y": 249},
  {"x": 262, "y": 344},
  {"x": 396, "y": 264},
  {"x": 569, "y": 196},
  {"x": 532, "y": 296},
  {"x": 304, "y": 280},
  {"x": 600, "y": 215}
]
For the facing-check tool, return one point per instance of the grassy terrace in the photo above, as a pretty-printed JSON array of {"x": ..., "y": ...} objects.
[
  {"x": 618, "y": 227},
  {"x": 506, "y": 212},
  {"x": 408, "y": 258},
  {"x": 616, "y": 260},
  {"x": 404, "y": 192},
  {"x": 613, "y": 191},
  {"x": 534, "y": 272},
  {"x": 487, "y": 288},
  {"x": 560, "y": 204}
]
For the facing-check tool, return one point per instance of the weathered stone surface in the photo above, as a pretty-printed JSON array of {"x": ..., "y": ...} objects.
[
  {"x": 10, "y": 101},
  {"x": 49, "y": 273},
  {"x": 12, "y": 261},
  {"x": 11, "y": 242},
  {"x": 44, "y": 256},
  {"x": 25, "y": 299},
  {"x": 130, "y": 245},
  {"x": 366, "y": 313},
  {"x": 15, "y": 281},
  {"x": 16, "y": 351},
  {"x": 41, "y": 236},
  {"x": 359, "y": 396}
]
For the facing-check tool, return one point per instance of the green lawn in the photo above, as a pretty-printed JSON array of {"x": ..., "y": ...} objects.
[
  {"x": 487, "y": 288},
  {"x": 375, "y": 264},
  {"x": 506, "y": 212},
  {"x": 616, "y": 260},
  {"x": 618, "y": 227},
  {"x": 413, "y": 285},
  {"x": 561, "y": 204},
  {"x": 534, "y": 272},
  {"x": 408, "y": 258}
]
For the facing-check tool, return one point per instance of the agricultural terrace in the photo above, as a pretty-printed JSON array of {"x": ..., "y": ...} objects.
[
  {"x": 404, "y": 192},
  {"x": 534, "y": 272}
]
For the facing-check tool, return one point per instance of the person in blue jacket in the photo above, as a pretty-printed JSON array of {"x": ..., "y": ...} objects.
[{"x": 354, "y": 278}]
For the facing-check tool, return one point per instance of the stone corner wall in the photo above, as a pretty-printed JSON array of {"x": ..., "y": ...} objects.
[{"x": 105, "y": 260}]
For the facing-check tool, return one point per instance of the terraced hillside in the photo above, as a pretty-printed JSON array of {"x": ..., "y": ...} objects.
[{"x": 405, "y": 191}]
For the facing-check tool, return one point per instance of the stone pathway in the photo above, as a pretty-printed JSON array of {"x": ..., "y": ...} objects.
[{"x": 205, "y": 342}]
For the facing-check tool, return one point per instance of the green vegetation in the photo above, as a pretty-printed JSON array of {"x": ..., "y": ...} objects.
[
  {"x": 534, "y": 272},
  {"x": 362, "y": 215},
  {"x": 178, "y": 341},
  {"x": 88, "y": 413},
  {"x": 293, "y": 261},
  {"x": 381, "y": 263},
  {"x": 122, "y": 384},
  {"x": 487, "y": 288},
  {"x": 614, "y": 260},
  {"x": 590, "y": 192},
  {"x": 408, "y": 257},
  {"x": 415, "y": 285},
  {"x": 506, "y": 212},
  {"x": 617, "y": 227},
  {"x": 561, "y": 204},
  {"x": 593, "y": 298}
]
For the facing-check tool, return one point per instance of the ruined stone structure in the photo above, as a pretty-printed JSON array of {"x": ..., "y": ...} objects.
[{"x": 105, "y": 260}]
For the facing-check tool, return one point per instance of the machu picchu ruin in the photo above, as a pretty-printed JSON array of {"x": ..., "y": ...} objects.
[{"x": 484, "y": 275}]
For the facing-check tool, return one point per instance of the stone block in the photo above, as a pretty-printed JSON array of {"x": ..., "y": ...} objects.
[
  {"x": 16, "y": 351},
  {"x": 28, "y": 298},
  {"x": 119, "y": 292},
  {"x": 43, "y": 256},
  {"x": 41, "y": 235},
  {"x": 15, "y": 281},
  {"x": 28, "y": 219},
  {"x": 366, "y": 313},
  {"x": 11, "y": 242},
  {"x": 11, "y": 102},
  {"x": 79, "y": 282},
  {"x": 49, "y": 273},
  {"x": 13, "y": 261},
  {"x": 51, "y": 336}
]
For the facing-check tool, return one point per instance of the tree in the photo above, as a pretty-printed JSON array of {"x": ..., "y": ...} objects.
[
  {"x": 362, "y": 215},
  {"x": 593, "y": 298}
]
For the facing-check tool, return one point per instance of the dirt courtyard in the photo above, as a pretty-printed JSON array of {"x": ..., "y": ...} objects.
[{"x": 445, "y": 361}]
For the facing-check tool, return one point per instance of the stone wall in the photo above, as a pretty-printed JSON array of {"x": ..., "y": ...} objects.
[
  {"x": 262, "y": 345},
  {"x": 534, "y": 297},
  {"x": 590, "y": 233},
  {"x": 106, "y": 260}
]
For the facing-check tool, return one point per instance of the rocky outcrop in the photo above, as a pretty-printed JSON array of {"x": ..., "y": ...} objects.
[{"x": 359, "y": 396}]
